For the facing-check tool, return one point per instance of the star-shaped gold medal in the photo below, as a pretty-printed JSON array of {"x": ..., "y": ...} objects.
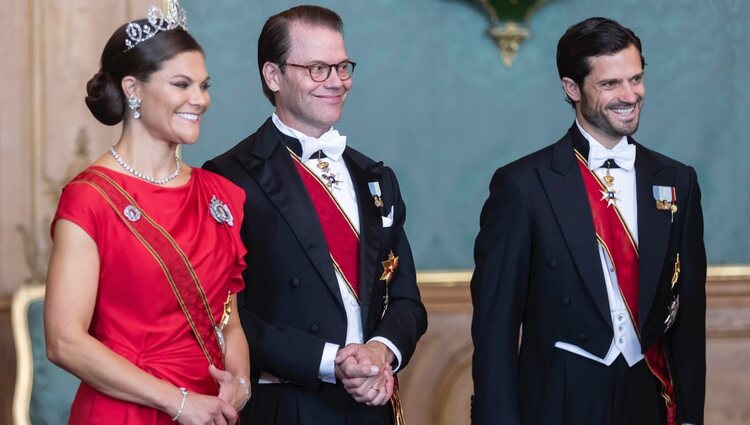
[{"x": 389, "y": 267}]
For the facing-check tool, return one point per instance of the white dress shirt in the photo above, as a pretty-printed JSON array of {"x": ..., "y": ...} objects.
[
  {"x": 345, "y": 195},
  {"x": 625, "y": 339}
]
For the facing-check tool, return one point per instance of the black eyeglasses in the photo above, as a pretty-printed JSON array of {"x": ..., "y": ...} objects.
[{"x": 320, "y": 71}]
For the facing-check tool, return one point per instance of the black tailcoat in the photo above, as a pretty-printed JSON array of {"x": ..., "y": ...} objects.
[
  {"x": 538, "y": 266},
  {"x": 291, "y": 305}
]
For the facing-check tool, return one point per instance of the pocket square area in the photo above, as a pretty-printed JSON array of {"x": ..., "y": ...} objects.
[{"x": 388, "y": 220}]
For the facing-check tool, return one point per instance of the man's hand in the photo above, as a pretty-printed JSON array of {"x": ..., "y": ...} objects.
[
  {"x": 374, "y": 353},
  {"x": 365, "y": 370}
]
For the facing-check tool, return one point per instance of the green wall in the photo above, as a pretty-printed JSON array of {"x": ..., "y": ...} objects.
[{"x": 432, "y": 99}]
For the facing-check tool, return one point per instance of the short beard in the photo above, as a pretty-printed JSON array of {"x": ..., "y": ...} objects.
[{"x": 602, "y": 122}]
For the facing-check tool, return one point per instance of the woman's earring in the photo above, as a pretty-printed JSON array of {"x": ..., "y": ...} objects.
[{"x": 134, "y": 103}]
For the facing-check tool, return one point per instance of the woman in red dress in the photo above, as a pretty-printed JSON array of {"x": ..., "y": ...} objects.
[{"x": 146, "y": 254}]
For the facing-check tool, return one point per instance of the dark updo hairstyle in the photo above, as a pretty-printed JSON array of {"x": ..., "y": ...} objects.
[
  {"x": 105, "y": 97},
  {"x": 590, "y": 38}
]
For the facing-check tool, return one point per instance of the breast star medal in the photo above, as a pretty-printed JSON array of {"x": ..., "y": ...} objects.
[
  {"x": 672, "y": 309},
  {"x": 389, "y": 267}
]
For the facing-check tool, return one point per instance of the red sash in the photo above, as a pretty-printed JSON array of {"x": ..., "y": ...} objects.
[
  {"x": 343, "y": 245},
  {"x": 176, "y": 266},
  {"x": 614, "y": 236},
  {"x": 341, "y": 238}
]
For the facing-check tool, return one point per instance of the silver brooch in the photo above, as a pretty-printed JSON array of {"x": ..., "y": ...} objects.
[
  {"x": 132, "y": 213},
  {"x": 220, "y": 211}
]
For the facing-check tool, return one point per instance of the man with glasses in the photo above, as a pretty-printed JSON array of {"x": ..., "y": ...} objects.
[{"x": 331, "y": 307}]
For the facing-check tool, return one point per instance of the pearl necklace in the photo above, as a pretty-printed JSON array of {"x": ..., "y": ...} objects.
[{"x": 150, "y": 179}]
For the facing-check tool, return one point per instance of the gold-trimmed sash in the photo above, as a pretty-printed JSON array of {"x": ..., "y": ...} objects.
[
  {"x": 613, "y": 235},
  {"x": 340, "y": 236},
  {"x": 173, "y": 261}
]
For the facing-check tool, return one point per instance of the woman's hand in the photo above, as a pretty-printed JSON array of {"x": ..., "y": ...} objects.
[
  {"x": 200, "y": 409},
  {"x": 231, "y": 389}
]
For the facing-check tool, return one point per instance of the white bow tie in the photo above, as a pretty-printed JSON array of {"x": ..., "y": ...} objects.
[
  {"x": 623, "y": 154},
  {"x": 331, "y": 143}
]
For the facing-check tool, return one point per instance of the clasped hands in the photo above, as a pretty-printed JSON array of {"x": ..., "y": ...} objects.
[
  {"x": 221, "y": 409},
  {"x": 365, "y": 371}
]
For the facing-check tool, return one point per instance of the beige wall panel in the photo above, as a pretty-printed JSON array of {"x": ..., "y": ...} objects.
[
  {"x": 75, "y": 32},
  {"x": 53, "y": 48},
  {"x": 728, "y": 381},
  {"x": 15, "y": 127},
  {"x": 437, "y": 385}
]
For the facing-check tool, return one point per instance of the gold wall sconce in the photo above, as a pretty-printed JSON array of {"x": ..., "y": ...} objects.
[{"x": 508, "y": 24}]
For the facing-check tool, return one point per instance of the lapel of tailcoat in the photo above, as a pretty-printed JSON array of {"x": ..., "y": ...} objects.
[
  {"x": 268, "y": 162},
  {"x": 563, "y": 185},
  {"x": 362, "y": 170},
  {"x": 653, "y": 226}
]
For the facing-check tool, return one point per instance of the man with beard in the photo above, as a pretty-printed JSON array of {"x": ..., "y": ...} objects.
[{"x": 594, "y": 246}]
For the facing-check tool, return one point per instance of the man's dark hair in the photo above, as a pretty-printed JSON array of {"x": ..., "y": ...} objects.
[
  {"x": 274, "y": 42},
  {"x": 590, "y": 38}
]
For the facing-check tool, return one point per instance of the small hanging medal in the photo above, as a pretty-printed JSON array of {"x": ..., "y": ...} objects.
[
  {"x": 375, "y": 192},
  {"x": 666, "y": 199},
  {"x": 609, "y": 194},
  {"x": 328, "y": 176},
  {"x": 331, "y": 181}
]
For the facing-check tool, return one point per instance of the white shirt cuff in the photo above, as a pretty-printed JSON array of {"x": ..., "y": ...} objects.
[
  {"x": 326, "y": 371},
  {"x": 393, "y": 348}
]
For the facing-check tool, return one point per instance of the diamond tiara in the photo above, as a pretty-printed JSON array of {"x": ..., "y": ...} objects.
[{"x": 157, "y": 21}]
